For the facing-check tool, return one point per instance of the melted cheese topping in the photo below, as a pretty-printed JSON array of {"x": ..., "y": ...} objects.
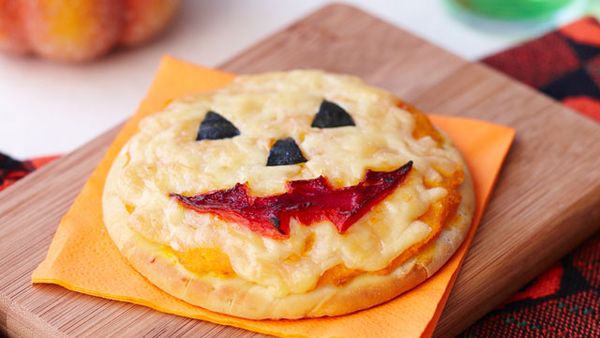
[{"x": 164, "y": 157}]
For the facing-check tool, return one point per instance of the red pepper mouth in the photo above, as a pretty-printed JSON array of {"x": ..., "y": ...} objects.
[{"x": 308, "y": 201}]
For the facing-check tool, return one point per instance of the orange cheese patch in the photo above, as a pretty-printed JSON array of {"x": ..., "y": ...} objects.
[
  {"x": 423, "y": 126},
  {"x": 206, "y": 261}
]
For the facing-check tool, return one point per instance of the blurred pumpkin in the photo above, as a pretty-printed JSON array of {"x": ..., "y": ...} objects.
[{"x": 79, "y": 30}]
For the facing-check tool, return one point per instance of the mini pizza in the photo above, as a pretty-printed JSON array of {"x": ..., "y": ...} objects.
[{"x": 288, "y": 195}]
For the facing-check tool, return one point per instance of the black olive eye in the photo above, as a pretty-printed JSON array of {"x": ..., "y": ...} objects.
[
  {"x": 285, "y": 152},
  {"x": 331, "y": 115},
  {"x": 216, "y": 127}
]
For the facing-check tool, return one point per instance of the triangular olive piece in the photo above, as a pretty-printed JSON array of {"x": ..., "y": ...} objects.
[
  {"x": 331, "y": 115},
  {"x": 285, "y": 152},
  {"x": 216, "y": 127}
]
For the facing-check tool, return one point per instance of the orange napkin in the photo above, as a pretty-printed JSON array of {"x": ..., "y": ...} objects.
[{"x": 83, "y": 258}]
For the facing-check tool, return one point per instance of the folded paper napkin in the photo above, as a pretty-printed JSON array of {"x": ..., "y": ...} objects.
[{"x": 83, "y": 258}]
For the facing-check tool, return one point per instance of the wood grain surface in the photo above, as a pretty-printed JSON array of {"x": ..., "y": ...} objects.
[{"x": 547, "y": 199}]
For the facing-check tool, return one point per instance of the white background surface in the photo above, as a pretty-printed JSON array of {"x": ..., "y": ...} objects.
[{"x": 48, "y": 108}]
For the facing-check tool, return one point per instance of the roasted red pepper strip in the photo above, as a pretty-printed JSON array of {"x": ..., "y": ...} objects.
[{"x": 308, "y": 201}]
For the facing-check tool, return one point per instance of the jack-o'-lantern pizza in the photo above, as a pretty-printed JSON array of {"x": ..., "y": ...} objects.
[{"x": 288, "y": 195}]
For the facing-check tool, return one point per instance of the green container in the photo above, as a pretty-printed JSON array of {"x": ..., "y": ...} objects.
[{"x": 514, "y": 9}]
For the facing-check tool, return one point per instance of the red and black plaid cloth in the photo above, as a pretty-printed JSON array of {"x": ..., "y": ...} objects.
[
  {"x": 12, "y": 170},
  {"x": 564, "y": 300}
]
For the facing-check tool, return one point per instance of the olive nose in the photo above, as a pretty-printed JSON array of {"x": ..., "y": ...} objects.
[{"x": 285, "y": 151}]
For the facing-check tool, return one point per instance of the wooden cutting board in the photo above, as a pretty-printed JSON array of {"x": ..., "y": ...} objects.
[{"x": 547, "y": 199}]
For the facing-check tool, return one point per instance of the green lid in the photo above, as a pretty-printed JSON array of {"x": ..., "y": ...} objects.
[{"x": 514, "y": 9}]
